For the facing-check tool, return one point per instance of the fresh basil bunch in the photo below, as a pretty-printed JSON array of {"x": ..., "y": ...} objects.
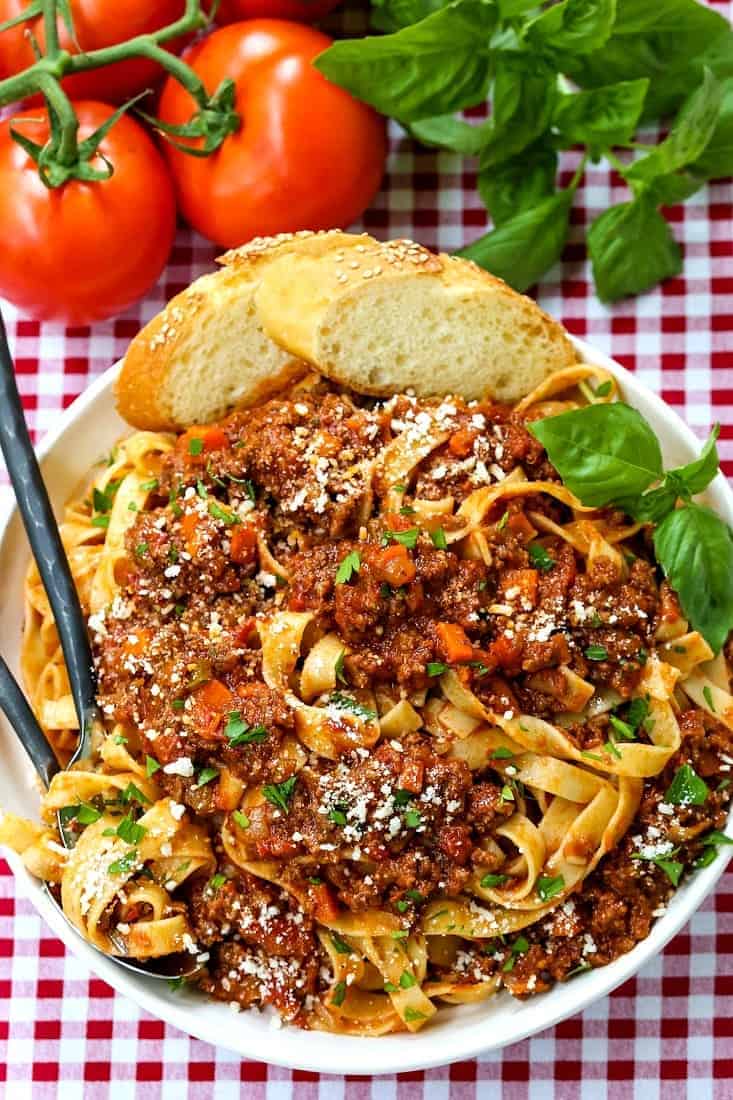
[
  {"x": 634, "y": 61},
  {"x": 609, "y": 455}
]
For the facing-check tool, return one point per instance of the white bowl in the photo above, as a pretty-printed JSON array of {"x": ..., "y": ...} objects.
[{"x": 84, "y": 433}]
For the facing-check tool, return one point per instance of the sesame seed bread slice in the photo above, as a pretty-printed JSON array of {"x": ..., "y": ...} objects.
[
  {"x": 387, "y": 317},
  {"x": 206, "y": 352}
]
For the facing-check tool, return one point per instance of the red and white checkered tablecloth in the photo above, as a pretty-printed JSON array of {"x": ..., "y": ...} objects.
[{"x": 666, "y": 1034}]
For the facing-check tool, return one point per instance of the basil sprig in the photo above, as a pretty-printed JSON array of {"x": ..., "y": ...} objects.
[
  {"x": 631, "y": 61},
  {"x": 609, "y": 455}
]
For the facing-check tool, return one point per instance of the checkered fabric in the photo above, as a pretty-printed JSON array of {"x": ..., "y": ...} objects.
[{"x": 666, "y": 1034}]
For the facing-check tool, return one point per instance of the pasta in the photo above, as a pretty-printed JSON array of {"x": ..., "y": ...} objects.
[{"x": 393, "y": 719}]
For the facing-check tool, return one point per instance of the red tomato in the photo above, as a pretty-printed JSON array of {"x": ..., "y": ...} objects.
[
  {"x": 97, "y": 23},
  {"x": 301, "y": 11},
  {"x": 307, "y": 155},
  {"x": 84, "y": 251}
]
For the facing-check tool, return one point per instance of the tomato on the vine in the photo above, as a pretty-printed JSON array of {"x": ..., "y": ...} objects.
[
  {"x": 301, "y": 11},
  {"x": 85, "y": 250},
  {"x": 97, "y": 24},
  {"x": 307, "y": 155}
]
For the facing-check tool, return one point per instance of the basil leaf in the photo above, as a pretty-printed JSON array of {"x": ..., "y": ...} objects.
[
  {"x": 390, "y": 15},
  {"x": 652, "y": 507},
  {"x": 697, "y": 475},
  {"x": 670, "y": 189},
  {"x": 695, "y": 549},
  {"x": 523, "y": 95},
  {"x": 631, "y": 249},
  {"x": 717, "y": 158},
  {"x": 691, "y": 132},
  {"x": 449, "y": 132},
  {"x": 433, "y": 67},
  {"x": 523, "y": 248},
  {"x": 573, "y": 26},
  {"x": 601, "y": 117},
  {"x": 519, "y": 183},
  {"x": 603, "y": 453},
  {"x": 670, "y": 43}
]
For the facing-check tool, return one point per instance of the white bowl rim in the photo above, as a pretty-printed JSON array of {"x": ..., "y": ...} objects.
[{"x": 324, "y": 1052}]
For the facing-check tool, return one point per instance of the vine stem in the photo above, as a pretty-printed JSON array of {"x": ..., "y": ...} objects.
[
  {"x": 58, "y": 63},
  {"x": 67, "y": 145}
]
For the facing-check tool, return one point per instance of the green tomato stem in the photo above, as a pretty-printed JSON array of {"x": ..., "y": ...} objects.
[
  {"x": 50, "y": 27},
  {"x": 64, "y": 140}
]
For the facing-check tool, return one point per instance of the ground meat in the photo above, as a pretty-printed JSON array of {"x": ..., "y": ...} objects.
[{"x": 262, "y": 514}]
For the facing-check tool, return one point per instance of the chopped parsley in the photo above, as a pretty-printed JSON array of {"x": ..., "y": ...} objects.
[
  {"x": 399, "y": 487},
  {"x": 350, "y": 564},
  {"x": 708, "y": 697},
  {"x": 217, "y": 512},
  {"x": 201, "y": 490},
  {"x": 412, "y": 1015},
  {"x": 195, "y": 446},
  {"x": 412, "y": 819},
  {"x": 148, "y": 486},
  {"x": 502, "y": 522},
  {"x": 206, "y": 775},
  {"x": 610, "y": 747},
  {"x": 279, "y": 794},
  {"x": 604, "y": 389},
  {"x": 241, "y": 819},
  {"x": 337, "y": 816},
  {"x": 339, "y": 668},
  {"x": 178, "y": 704},
  {"x": 85, "y": 814},
  {"x": 489, "y": 881},
  {"x": 407, "y": 980},
  {"x": 401, "y": 797},
  {"x": 103, "y": 499},
  {"x": 579, "y": 969},
  {"x": 341, "y": 945},
  {"x": 131, "y": 792},
  {"x": 406, "y": 538},
  {"x": 436, "y": 668},
  {"x": 128, "y": 830},
  {"x": 216, "y": 882},
  {"x": 672, "y": 867},
  {"x": 540, "y": 558},
  {"x": 519, "y": 947},
  {"x": 623, "y": 729},
  {"x": 438, "y": 539},
  {"x": 339, "y": 994},
  {"x": 99, "y": 521},
  {"x": 238, "y": 732},
  {"x": 125, "y": 863},
  {"x": 345, "y": 702},
  {"x": 407, "y": 510},
  {"x": 151, "y": 766},
  {"x": 687, "y": 788},
  {"x": 507, "y": 794},
  {"x": 548, "y": 887},
  {"x": 596, "y": 653},
  {"x": 141, "y": 549},
  {"x": 501, "y": 753}
]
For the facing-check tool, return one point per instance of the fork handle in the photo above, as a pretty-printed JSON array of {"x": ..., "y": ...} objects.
[
  {"x": 48, "y": 551},
  {"x": 16, "y": 709}
]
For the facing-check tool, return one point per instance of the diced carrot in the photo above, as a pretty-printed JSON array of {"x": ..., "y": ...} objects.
[
  {"x": 200, "y": 440},
  {"x": 461, "y": 442},
  {"x": 412, "y": 775},
  {"x": 507, "y": 652},
  {"x": 325, "y": 906},
  {"x": 455, "y": 643},
  {"x": 136, "y": 644},
  {"x": 189, "y": 528},
  {"x": 525, "y": 580},
  {"x": 215, "y": 696},
  {"x": 244, "y": 545},
  {"x": 520, "y": 526},
  {"x": 244, "y": 632},
  {"x": 394, "y": 565}
]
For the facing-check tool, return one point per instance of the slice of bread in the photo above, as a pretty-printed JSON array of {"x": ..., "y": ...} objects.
[
  {"x": 206, "y": 352},
  {"x": 386, "y": 317},
  {"x": 379, "y": 318}
]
